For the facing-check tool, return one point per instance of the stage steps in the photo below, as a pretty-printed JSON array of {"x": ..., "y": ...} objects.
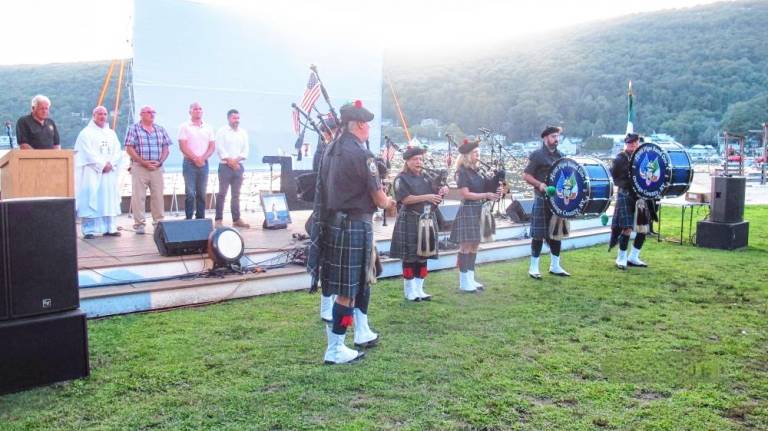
[{"x": 98, "y": 300}]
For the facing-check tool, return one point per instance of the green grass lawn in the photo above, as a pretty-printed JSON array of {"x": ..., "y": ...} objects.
[{"x": 681, "y": 345}]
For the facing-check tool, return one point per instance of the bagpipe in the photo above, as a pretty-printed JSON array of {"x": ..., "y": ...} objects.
[
  {"x": 495, "y": 173},
  {"x": 306, "y": 183}
]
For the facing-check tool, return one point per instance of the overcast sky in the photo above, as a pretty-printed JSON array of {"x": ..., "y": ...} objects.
[{"x": 46, "y": 31}]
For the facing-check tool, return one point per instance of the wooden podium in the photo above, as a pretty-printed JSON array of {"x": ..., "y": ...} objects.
[{"x": 37, "y": 173}]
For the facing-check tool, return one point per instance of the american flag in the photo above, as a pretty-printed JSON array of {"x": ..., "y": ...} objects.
[{"x": 311, "y": 93}]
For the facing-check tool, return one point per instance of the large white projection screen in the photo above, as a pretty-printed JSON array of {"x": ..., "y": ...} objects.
[{"x": 255, "y": 59}]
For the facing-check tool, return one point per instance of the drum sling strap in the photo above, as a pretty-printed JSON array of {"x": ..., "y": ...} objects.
[
  {"x": 426, "y": 237},
  {"x": 487, "y": 223}
]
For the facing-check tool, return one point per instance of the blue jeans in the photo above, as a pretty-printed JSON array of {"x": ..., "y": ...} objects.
[
  {"x": 229, "y": 177},
  {"x": 195, "y": 182}
]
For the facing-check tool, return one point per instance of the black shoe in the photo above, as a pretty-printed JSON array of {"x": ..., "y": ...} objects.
[
  {"x": 113, "y": 234},
  {"x": 359, "y": 356},
  {"x": 638, "y": 265},
  {"x": 535, "y": 276},
  {"x": 621, "y": 267},
  {"x": 89, "y": 236},
  {"x": 368, "y": 344},
  {"x": 560, "y": 274}
]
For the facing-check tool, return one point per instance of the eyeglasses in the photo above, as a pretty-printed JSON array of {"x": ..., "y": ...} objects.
[{"x": 148, "y": 112}]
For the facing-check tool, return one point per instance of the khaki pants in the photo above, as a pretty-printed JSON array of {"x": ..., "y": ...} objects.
[{"x": 142, "y": 178}]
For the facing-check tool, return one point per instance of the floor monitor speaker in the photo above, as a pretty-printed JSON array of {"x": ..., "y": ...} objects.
[{"x": 179, "y": 237}]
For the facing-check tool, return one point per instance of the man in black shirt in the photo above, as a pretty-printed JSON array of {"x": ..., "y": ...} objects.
[
  {"x": 535, "y": 174},
  {"x": 624, "y": 210},
  {"x": 349, "y": 192},
  {"x": 36, "y": 131}
]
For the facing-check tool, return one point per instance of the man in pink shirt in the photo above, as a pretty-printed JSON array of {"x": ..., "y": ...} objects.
[{"x": 197, "y": 143}]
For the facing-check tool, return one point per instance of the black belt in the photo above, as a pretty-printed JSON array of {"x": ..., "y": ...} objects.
[{"x": 337, "y": 218}]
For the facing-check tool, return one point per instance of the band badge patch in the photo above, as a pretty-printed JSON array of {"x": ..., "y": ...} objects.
[
  {"x": 372, "y": 167},
  {"x": 50, "y": 127}
]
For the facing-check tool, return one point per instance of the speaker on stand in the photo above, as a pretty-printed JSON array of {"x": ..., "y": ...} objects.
[
  {"x": 43, "y": 337},
  {"x": 39, "y": 257},
  {"x": 726, "y": 228}
]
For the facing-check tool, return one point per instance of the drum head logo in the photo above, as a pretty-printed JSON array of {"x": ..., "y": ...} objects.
[
  {"x": 567, "y": 189},
  {"x": 569, "y": 180},
  {"x": 648, "y": 171}
]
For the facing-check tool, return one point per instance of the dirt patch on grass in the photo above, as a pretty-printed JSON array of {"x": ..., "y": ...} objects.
[{"x": 646, "y": 396}]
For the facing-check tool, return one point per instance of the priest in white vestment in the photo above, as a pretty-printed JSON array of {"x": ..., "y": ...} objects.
[{"x": 98, "y": 159}]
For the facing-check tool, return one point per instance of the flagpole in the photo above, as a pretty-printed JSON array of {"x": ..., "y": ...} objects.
[
  {"x": 325, "y": 94},
  {"x": 630, "y": 110},
  {"x": 400, "y": 112}
]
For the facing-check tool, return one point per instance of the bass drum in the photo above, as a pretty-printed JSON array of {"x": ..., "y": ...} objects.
[
  {"x": 660, "y": 170},
  {"x": 583, "y": 186}
]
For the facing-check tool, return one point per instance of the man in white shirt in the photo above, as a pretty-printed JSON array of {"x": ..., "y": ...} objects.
[
  {"x": 197, "y": 143},
  {"x": 232, "y": 148},
  {"x": 97, "y": 162}
]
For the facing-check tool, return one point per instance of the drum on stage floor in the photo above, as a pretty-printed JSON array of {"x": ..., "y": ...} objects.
[
  {"x": 583, "y": 186},
  {"x": 660, "y": 170}
]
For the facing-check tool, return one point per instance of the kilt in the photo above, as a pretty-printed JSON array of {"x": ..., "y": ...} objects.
[
  {"x": 540, "y": 216},
  {"x": 405, "y": 236},
  {"x": 466, "y": 227},
  {"x": 347, "y": 251},
  {"x": 624, "y": 211}
]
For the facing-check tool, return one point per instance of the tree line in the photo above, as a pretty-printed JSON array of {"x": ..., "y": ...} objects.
[{"x": 695, "y": 73}]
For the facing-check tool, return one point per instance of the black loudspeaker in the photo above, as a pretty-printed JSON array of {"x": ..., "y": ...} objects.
[
  {"x": 4, "y": 311},
  {"x": 727, "y": 204},
  {"x": 289, "y": 186},
  {"x": 39, "y": 257},
  {"x": 178, "y": 237},
  {"x": 519, "y": 210},
  {"x": 725, "y": 236},
  {"x": 42, "y": 350},
  {"x": 446, "y": 214}
]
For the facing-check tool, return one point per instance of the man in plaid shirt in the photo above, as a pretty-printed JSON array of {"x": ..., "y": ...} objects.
[{"x": 147, "y": 144}]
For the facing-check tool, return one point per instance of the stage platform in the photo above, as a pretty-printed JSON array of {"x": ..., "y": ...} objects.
[{"x": 126, "y": 274}]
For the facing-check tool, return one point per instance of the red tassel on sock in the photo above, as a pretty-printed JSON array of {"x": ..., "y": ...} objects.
[
  {"x": 423, "y": 271},
  {"x": 407, "y": 273},
  {"x": 346, "y": 321}
]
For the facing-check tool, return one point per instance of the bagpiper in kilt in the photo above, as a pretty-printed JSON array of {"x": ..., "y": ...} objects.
[
  {"x": 328, "y": 129},
  {"x": 539, "y": 164},
  {"x": 342, "y": 254},
  {"x": 629, "y": 212},
  {"x": 414, "y": 238},
  {"x": 467, "y": 230}
]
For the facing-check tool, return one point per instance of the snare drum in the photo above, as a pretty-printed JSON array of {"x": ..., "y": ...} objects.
[
  {"x": 660, "y": 170},
  {"x": 583, "y": 186}
]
